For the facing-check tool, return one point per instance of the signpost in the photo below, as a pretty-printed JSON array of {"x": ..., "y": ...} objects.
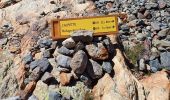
[{"x": 101, "y": 25}]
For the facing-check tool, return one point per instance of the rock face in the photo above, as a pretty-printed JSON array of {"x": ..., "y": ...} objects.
[{"x": 79, "y": 62}]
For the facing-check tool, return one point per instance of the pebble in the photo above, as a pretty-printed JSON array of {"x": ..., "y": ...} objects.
[
  {"x": 54, "y": 96},
  {"x": 79, "y": 62},
  {"x": 163, "y": 32},
  {"x": 155, "y": 26},
  {"x": 69, "y": 43},
  {"x": 44, "y": 42},
  {"x": 27, "y": 58},
  {"x": 63, "y": 50},
  {"x": 3, "y": 41},
  {"x": 165, "y": 59},
  {"x": 107, "y": 67},
  {"x": 32, "y": 97},
  {"x": 155, "y": 65}
]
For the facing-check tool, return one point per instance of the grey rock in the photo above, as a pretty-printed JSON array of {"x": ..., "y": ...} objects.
[
  {"x": 162, "y": 4},
  {"x": 109, "y": 45},
  {"x": 32, "y": 97},
  {"x": 151, "y": 5},
  {"x": 155, "y": 65},
  {"x": 3, "y": 41},
  {"x": 47, "y": 77},
  {"x": 94, "y": 69},
  {"x": 44, "y": 42},
  {"x": 165, "y": 59},
  {"x": 125, "y": 28},
  {"x": 36, "y": 74},
  {"x": 42, "y": 63},
  {"x": 69, "y": 43},
  {"x": 107, "y": 67},
  {"x": 54, "y": 96},
  {"x": 61, "y": 69},
  {"x": 163, "y": 32},
  {"x": 79, "y": 62},
  {"x": 97, "y": 51},
  {"x": 63, "y": 50},
  {"x": 85, "y": 79},
  {"x": 14, "y": 98},
  {"x": 142, "y": 65},
  {"x": 46, "y": 53},
  {"x": 52, "y": 62},
  {"x": 79, "y": 46},
  {"x": 141, "y": 36},
  {"x": 82, "y": 35},
  {"x": 63, "y": 61},
  {"x": 27, "y": 58},
  {"x": 140, "y": 15},
  {"x": 54, "y": 44},
  {"x": 155, "y": 26}
]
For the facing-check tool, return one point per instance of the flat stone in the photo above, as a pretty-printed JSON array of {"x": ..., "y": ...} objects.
[
  {"x": 155, "y": 65},
  {"x": 107, "y": 67},
  {"x": 69, "y": 43},
  {"x": 44, "y": 42},
  {"x": 165, "y": 59},
  {"x": 63, "y": 50},
  {"x": 63, "y": 61},
  {"x": 42, "y": 63},
  {"x": 47, "y": 77},
  {"x": 54, "y": 96},
  {"x": 79, "y": 62},
  {"x": 155, "y": 26},
  {"x": 82, "y": 35},
  {"x": 97, "y": 51},
  {"x": 94, "y": 69},
  {"x": 163, "y": 32},
  {"x": 27, "y": 58}
]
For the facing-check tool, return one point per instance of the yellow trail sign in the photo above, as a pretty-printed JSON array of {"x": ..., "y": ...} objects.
[{"x": 101, "y": 25}]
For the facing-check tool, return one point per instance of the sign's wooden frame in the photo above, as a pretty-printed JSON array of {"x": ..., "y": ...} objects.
[{"x": 56, "y": 34}]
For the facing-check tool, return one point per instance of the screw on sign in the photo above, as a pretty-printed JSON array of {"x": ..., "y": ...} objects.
[{"x": 100, "y": 25}]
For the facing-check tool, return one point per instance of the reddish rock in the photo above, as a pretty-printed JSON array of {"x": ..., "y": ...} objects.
[
  {"x": 65, "y": 78},
  {"x": 98, "y": 52}
]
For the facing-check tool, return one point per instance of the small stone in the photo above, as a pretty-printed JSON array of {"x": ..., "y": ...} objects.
[
  {"x": 32, "y": 97},
  {"x": 61, "y": 69},
  {"x": 107, "y": 67},
  {"x": 54, "y": 96},
  {"x": 79, "y": 62},
  {"x": 94, "y": 69},
  {"x": 155, "y": 65},
  {"x": 46, "y": 53},
  {"x": 79, "y": 46},
  {"x": 165, "y": 59},
  {"x": 162, "y": 4},
  {"x": 163, "y": 32},
  {"x": 85, "y": 79},
  {"x": 142, "y": 66},
  {"x": 155, "y": 26},
  {"x": 27, "y": 58},
  {"x": 141, "y": 36},
  {"x": 140, "y": 15},
  {"x": 38, "y": 55},
  {"x": 54, "y": 44},
  {"x": 97, "y": 51},
  {"x": 69, "y": 43},
  {"x": 52, "y": 62},
  {"x": 42, "y": 63},
  {"x": 109, "y": 45},
  {"x": 3, "y": 41},
  {"x": 63, "y": 50},
  {"x": 44, "y": 42},
  {"x": 151, "y": 6},
  {"x": 35, "y": 75},
  {"x": 14, "y": 98},
  {"x": 63, "y": 61},
  {"x": 125, "y": 28},
  {"x": 65, "y": 78},
  {"x": 82, "y": 35},
  {"x": 47, "y": 77}
]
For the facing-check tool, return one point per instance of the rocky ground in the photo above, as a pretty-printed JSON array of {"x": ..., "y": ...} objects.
[{"x": 134, "y": 65}]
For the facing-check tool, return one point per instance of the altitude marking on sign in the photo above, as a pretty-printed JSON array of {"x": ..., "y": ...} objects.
[{"x": 101, "y": 25}]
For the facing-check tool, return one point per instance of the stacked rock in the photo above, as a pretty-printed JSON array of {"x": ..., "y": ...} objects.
[{"x": 81, "y": 57}]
